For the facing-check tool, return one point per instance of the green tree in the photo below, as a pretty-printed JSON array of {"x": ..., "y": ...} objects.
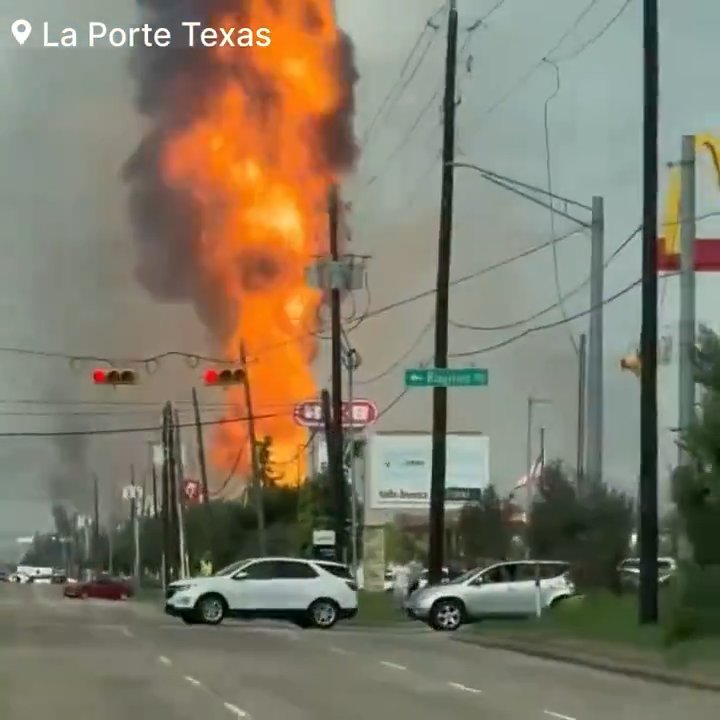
[
  {"x": 483, "y": 532},
  {"x": 590, "y": 529},
  {"x": 696, "y": 486}
]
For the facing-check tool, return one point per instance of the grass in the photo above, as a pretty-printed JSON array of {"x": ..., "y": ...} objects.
[{"x": 605, "y": 623}]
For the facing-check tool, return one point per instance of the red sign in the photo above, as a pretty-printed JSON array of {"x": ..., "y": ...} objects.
[
  {"x": 192, "y": 491},
  {"x": 358, "y": 415}
]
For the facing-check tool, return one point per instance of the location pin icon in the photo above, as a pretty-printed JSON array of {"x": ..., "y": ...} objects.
[{"x": 21, "y": 30}]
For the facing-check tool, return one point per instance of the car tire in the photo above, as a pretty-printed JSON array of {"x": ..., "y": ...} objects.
[
  {"x": 323, "y": 613},
  {"x": 447, "y": 615},
  {"x": 211, "y": 609}
]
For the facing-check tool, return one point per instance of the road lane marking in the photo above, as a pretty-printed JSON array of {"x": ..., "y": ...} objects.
[
  {"x": 127, "y": 632},
  {"x": 559, "y": 716},
  {"x": 193, "y": 681},
  {"x": 165, "y": 660},
  {"x": 235, "y": 710},
  {"x": 392, "y": 665},
  {"x": 340, "y": 651},
  {"x": 464, "y": 688}
]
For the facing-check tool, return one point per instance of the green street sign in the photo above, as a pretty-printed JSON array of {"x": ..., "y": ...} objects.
[{"x": 442, "y": 377}]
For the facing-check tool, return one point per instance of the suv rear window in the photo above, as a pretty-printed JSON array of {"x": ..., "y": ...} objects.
[{"x": 341, "y": 571}]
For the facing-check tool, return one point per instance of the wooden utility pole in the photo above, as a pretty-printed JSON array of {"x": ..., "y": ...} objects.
[
  {"x": 442, "y": 301},
  {"x": 200, "y": 448},
  {"x": 648, "y": 532},
  {"x": 257, "y": 483},
  {"x": 96, "y": 524},
  {"x": 336, "y": 465},
  {"x": 166, "y": 529},
  {"x": 173, "y": 494}
]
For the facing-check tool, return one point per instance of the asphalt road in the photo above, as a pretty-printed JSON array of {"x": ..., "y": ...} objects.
[{"x": 65, "y": 659}]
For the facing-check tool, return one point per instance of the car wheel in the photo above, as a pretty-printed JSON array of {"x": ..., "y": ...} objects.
[
  {"x": 323, "y": 613},
  {"x": 211, "y": 609},
  {"x": 189, "y": 619},
  {"x": 447, "y": 615}
]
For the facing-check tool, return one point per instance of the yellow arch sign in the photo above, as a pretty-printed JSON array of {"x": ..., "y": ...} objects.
[{"x": 670, "y": 241}]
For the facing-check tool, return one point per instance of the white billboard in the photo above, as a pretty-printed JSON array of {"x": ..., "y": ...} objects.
[{"x": 399, "y": 470}]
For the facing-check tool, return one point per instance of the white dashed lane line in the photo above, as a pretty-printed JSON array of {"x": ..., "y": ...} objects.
[
  {"x": 341, "y": 651},
  {"x": 193, "y": 681},
  {"x": 392, "y": 665},
  {"x": 235, "y": 710},
  {"x": 165, "y": 660},
  {"x": 558, "y": 716},
  {"x": 465, "y": 688}
]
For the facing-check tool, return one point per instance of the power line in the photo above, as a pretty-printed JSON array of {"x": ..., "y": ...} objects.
[
  {"x": 552, "y": 306},
  {"x": 548, "y": 326},
  {"x": 594, "y": 38},
  {"x": 400, "y": 85},
  {"x": 128, "y": 430}
]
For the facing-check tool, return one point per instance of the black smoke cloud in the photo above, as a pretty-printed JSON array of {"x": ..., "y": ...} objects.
[{"x": 174, "y": 86}]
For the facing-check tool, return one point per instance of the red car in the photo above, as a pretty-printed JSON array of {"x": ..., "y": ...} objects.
[{"x": 103, "y": 586}]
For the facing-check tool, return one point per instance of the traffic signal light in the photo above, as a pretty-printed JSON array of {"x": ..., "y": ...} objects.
[
  {"x": 222, "y": 378},
  {"x": 114, "y": 377},
  {"x": 632, "y": 363}
]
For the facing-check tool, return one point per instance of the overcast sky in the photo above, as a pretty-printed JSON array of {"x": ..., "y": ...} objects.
[{"x": 67, "y": 123}]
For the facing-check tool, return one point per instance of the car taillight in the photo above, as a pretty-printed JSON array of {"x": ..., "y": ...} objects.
[{"x": 351, "y": 585}]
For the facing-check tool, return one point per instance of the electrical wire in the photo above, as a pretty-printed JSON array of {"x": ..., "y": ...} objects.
[
  {"x": 553, "y": 306},
  {"x": 528, "y": 74},
  {"x": 401, "y": 83},
  {"x": 548, "y": 326},
  {"x": 395, "y": 363},
  {"x": 594, "y": 38},
  {"x": 129, "y": 430}
]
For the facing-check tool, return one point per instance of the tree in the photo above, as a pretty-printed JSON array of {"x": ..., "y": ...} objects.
[
  {"x": 591, "y": 530},
  {"x": 483, "y": 530},
  {"x": 696, "y": 486}
]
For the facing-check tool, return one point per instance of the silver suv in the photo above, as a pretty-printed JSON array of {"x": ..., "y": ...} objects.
[{"x": 503, "y": 590}]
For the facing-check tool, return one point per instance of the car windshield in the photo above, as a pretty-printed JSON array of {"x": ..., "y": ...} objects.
[{"x": 230, "y": 569}]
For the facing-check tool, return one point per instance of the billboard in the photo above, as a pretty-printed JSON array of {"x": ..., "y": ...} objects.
[{"x": 399, "y": 470}]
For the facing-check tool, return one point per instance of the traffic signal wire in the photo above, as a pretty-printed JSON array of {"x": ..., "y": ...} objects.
[{"x": 128, "y": 430}]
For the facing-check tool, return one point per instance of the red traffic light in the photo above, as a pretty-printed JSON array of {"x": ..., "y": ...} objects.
[
  {"x": 114, "y": 377},
  {"x": 221, "y": 378}
]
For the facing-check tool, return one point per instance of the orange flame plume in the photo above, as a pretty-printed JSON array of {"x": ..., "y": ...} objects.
[{"x": 257, "y": 159}]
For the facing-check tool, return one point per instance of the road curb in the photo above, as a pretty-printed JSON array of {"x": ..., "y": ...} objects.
[{"x": 596, "y": 663}]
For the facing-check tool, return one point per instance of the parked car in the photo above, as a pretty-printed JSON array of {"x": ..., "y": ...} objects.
[
  {"x": 311, "y": 593},
  {"x": 102, "y": 586},
  {"x": 503, "y": 590},
  {"x": 629, "y": 571}
]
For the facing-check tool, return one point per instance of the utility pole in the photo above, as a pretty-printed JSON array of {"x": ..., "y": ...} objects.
[
  {"x": 111, "y": 543},
  {"x": 257, "y": 481},
  {"x": 200, "y": 449},
  {"x": 686, "y": 330},
  {"x": 154, "y": 487},
  {"x": 593, "y": 465},
  {"x": 184, "y": 563},
  {"x": 442, "y": 301},
  {"x": 96, "y": 522},
  {"x": 335, "y": 451},
  {"x": 352, "y": 363},
  {"x": 582, "y": 361},
  {"x": 648, "y": 535},
  {"x": 173, "y": 495},
  {"x": 167, "y": 532},
  {"x": 135, "y": 520}
]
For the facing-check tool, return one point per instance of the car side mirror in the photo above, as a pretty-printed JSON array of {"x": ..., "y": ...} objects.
[
  {"x": 478, "y": 581},
  {"x": 242, "y": 575}
]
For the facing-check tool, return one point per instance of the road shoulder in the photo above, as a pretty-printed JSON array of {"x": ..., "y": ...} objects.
[{"x": 601, "y": 656}]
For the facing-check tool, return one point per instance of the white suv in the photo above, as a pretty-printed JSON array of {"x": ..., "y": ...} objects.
[
  {"x": 311, "y": 593},
  {"x": 504, "y": 590}
]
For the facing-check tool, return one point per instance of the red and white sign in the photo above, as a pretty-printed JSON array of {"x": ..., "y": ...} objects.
[
  {"x": 192, "y": 491},
  {"x": 358, "y": 415}
]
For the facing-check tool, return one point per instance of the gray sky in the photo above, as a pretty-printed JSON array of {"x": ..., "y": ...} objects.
[{"x": 67, "y": 123}]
